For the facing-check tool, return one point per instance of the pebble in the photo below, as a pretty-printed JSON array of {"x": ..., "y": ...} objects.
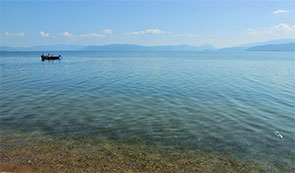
[{"x": 277, "y": 133}]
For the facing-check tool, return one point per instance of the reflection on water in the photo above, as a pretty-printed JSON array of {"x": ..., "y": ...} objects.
[{"x": 227, "y": 105}]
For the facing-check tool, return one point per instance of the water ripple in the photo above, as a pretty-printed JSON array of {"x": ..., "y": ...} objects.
[{"x": 195, "y": 101}]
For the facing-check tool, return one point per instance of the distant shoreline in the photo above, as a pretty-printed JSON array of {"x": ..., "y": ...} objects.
[{"x": 285, "y": 47}]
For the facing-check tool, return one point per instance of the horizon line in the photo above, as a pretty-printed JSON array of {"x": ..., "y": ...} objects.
[{"x": 240, "y": 45}]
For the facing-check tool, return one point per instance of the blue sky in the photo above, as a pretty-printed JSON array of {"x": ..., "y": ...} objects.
[{"x": 222, "y": 23}]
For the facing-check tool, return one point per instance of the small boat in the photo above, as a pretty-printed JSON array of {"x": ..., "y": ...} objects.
[{"x": 50, "y": 57}]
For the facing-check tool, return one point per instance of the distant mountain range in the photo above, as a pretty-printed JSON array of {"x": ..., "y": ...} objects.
[
  {"x": 288, "y": 47},
  {"x": 111, "y": 47},
  {"x": 273, "y": 45},
  {"x": 247, "y": 47},
  {"x": 130, "y": 47},
  {"x": 43, "y": 48}
]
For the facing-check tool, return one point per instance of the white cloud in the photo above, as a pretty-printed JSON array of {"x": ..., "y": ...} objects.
[
  {"x": 148, "y": 31},
  {"x": 104, "y": 33},
  {"x": 108, "y": 31},
  {"x": 281, "y": 11},
  {"x": 282, "y": 27},
  {"x": 280, "y": 30},
  {"x": 21, "y": 34},
  {"x": 92, "y": 35},
  {"x": 155, "y": 31},
  {"x": 136, "y": 33},
  {"x": 67, "y": 35},
  {"x": 133, "y": 33},
  {"x": 187, "y": 35},
  {"x": 43, "y": 34}
]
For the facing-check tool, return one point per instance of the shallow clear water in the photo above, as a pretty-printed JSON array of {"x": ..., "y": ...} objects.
[{"x": 210, "y": 101}]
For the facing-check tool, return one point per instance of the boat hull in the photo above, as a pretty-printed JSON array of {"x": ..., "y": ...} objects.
[{"x": 43, "y": 58}]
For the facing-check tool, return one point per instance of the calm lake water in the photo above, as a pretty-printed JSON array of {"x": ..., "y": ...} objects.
[{"x": 230, "y": 103}]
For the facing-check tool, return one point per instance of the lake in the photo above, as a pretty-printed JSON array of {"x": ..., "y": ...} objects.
[{"x": 192, "y": 111}]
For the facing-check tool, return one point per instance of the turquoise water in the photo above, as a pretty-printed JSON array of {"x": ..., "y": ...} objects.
[{"x": 232, "y": 103}]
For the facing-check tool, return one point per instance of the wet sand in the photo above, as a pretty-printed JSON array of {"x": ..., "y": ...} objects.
[{"x": 31, "y": 154}]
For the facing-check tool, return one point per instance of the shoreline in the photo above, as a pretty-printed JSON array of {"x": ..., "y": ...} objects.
[{"x": 26, "y": 154}]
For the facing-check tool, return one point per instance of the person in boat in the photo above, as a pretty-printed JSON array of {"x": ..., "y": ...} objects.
[{"x": 48, "y": 54}]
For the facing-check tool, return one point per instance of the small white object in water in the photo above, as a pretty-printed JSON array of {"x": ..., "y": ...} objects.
[{"x": 277, "y": 133}]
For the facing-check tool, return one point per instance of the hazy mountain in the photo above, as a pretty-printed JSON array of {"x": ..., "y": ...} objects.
[
  {"x": 288, "y": 47},
  {"x": 279, "y": 41},
  {"x": 111, "y": 47},
  {"x": 207, "y": 47},
  {"x": 131, "y": 47},
  {"x": 232, "y": 49},
  {"x": 56, "y": 47},
  {"x": 43, "y": 48},
  {"x": 244, "y": 47},
  {"x": 7, "y": 48}
]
